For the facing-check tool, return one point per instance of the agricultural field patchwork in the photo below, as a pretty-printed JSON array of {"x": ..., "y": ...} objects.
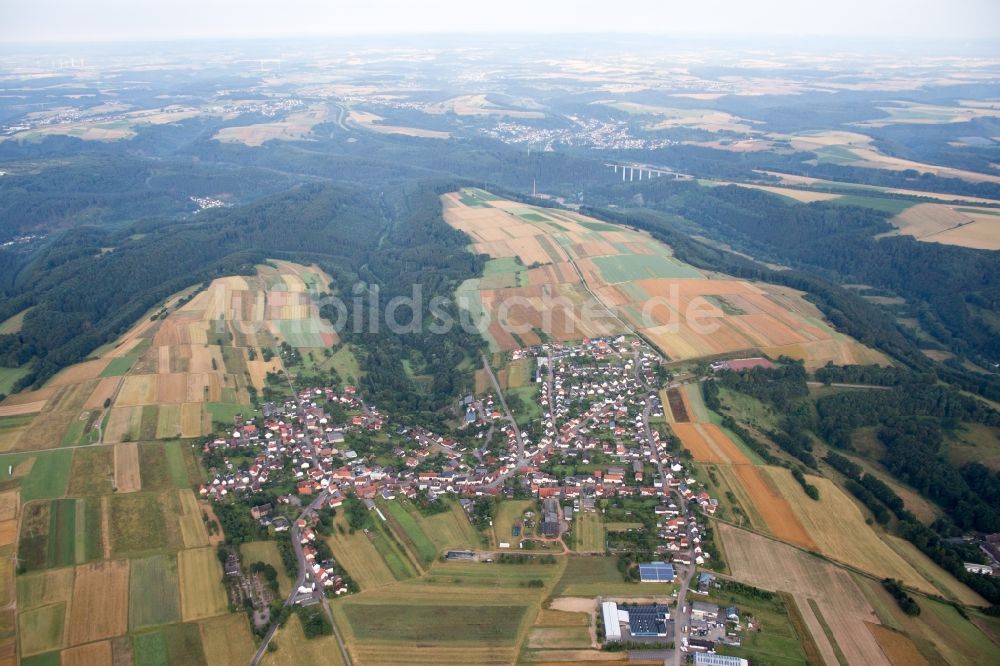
[{"x": 568, "y": 277}]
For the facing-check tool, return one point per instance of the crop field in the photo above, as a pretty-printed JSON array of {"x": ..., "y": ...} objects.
[
  {"x": 774, "y": 566},
  {"x": 226, "y": 641},
  {"x": 392, "y": 550},
  {"x": 139, "y": 524},
  {"x": 452, "y": 623},
  {"x": 91, "y": 472},
  {"x": 44, "y": 587},
  {"x": 128, "y": 478},
  {"x": 153, "y": 594},
  {"x": 41, "y": 629},
  {"x": 837, "y": 527},
  {"x": 92, "y": 654},
  {"x": 99, "y": 608},
  {"x": 60, "y": 533},
  {"x": 588, "y": 532},
  {"x": 610, "y": 276},
  {"x": 267, "y": 552},
  {"x": 409, "y": 532},
  {"x": 202, "y": 594},
  {"x": 320, "y": 650},
  {"x": 358, "y": 556},
  {"x": 773, "y": 507}
]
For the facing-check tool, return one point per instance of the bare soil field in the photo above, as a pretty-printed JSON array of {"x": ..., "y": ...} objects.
[
  {"x": 773, "y": 507},
  {"x": 770, "y": 565},
  {"x": 99, "y": 607},
  {"x": 898, "y": 648}
]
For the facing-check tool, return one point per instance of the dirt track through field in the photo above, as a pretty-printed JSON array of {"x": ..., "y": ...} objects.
[{"x": 771, "y": 565}]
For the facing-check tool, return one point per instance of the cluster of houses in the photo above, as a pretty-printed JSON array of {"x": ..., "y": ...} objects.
[
  {"x": 324, "y": 573},
  {"x": 596, "y": 400}
]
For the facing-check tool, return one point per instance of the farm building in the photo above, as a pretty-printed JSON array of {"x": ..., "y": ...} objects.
[
  {"x": 656, "y": 572},
  {"x": 984, "y": 569},
  {"x": 705, "y": 659},
  {"x": 642, "y": 621},
  {"x": 612, "y": 621}
]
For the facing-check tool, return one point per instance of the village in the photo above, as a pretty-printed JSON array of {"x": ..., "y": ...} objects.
[{"x": 601, "y": 419}]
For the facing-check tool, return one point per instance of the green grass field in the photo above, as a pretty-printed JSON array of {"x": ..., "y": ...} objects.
[
  {"x": 596, "y": 576},
  {"x": 346, "y": 364},
  {"x": 153, "y": 594},
  {"x": 149, "y": 649},
  {"x": 224, "y": 412},
  {"x": 393, "y": 554},
  {"x": 628, "y": 267},
  {"x": 62, "y": 533},
  {"x": 588, "y": 532},
  {"x": 408, "y": 531},
  {"x": 9, "y": 377},
  {"x": 267, "y": 552},
  {"x": 118, "y": 366},
  {"x": 508, "y": 513},
  {"x": 48, "y": 476},
  {"x": 451, "y": 623},
  {"x": 451, "y": 528},
  {"x": 775, "y": 642}
]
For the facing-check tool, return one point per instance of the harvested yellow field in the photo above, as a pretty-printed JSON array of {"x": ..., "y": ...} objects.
[
  {"x": 127, "y": 477},
  {"x": 123, "y": 424},
  {"x": 92, "y": 654},
  {"x": 79, "y": 372},
  {"x": 193, "y": 531},
  {"x": 137, "y": 390},
  {"x": 372, "y": 122},
  {"x": 104, "y": 391},
  {"x": 227, "y": 640},
  {"x": 292, "y": 128},
  {"x": 8, "y": 532},
  {"x": 358, "y": 556},
  {"x": 168, "y": 421},
  {"x": 45, "y": 587},
  {"x": 9, "y": 500},
  {"x": 202, "y": 594},
  {"x": 802, "y": 196},
  {"x": 322, "y": 650},
  {"x": 99, "y": 608},
  {"x": 952, "y": 225},
  {"x": 23, "y": 408},
  {"x": 194, "y": 420},
  {"x": 771, "y": 565},
  {"x": 837, "y": 526}
]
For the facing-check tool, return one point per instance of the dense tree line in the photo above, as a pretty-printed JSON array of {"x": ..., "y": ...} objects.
[
  {"x": 905, "y": 601},
  {"x": 779, "y": 385},
  {"x": 872, "y": 375}
]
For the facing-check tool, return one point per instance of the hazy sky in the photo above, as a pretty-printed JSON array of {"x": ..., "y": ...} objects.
[{"x": 124, "y": 20}]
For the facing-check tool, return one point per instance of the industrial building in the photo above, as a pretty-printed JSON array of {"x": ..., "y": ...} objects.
[{"x": 641, "y": 621}]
